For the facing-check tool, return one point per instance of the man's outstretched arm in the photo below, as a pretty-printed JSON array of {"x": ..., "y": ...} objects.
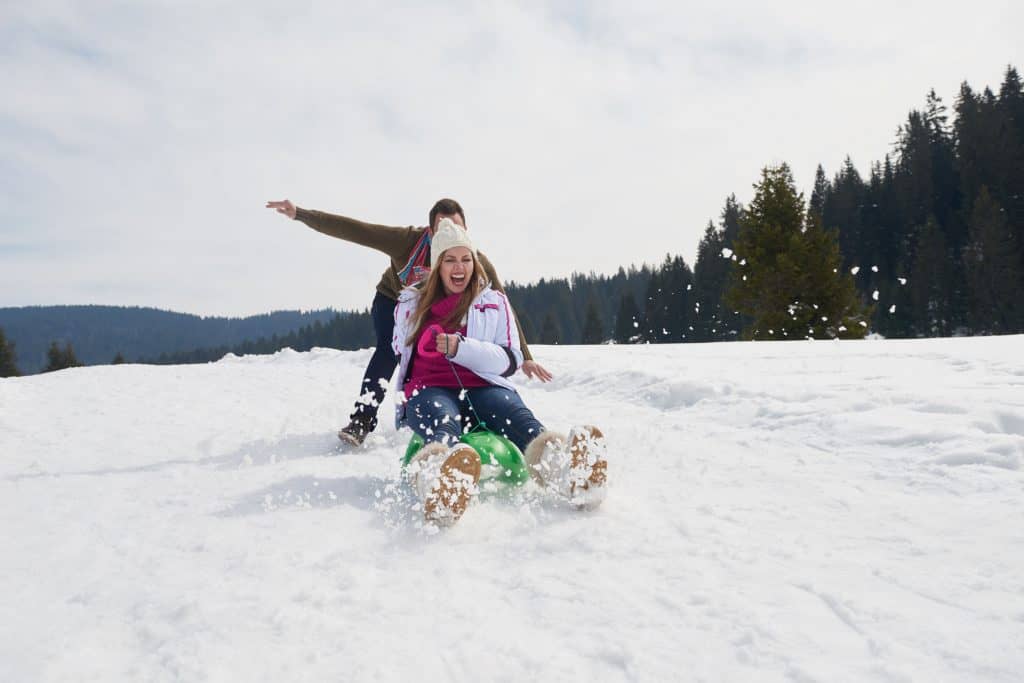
[{"x": 392, "y": 241}]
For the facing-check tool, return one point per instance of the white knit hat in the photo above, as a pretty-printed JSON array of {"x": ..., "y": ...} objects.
[{"x": 447, "y": 235}]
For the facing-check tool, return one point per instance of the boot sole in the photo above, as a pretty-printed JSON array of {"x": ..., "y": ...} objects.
[
  {"x": 450, "y": 498},
  {"x": 349, "y": 440},
  {"x": 598, "y": 472}
]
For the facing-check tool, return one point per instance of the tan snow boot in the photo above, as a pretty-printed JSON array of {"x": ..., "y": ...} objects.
[
  {"x": 445, "y": 480},
  {"x": 589, "y": 465},
  {"x": 576, "y": 468}
]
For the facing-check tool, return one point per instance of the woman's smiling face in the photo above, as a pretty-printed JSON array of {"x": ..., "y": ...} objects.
[{"x": 456, "y": 269}]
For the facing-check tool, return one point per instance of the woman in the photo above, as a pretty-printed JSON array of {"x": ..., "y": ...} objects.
[{"x": 458, "y": 343}]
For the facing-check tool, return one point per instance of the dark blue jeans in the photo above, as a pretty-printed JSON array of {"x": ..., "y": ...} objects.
[
  {"x": 382, "y": 364},
  {"x": 438, "y": 414}
]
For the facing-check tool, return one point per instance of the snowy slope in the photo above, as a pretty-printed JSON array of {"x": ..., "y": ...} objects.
[{"x": 779, "y": 511}]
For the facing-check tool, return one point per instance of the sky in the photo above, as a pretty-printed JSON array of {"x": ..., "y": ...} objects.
[{"x": 139, "y": 141}]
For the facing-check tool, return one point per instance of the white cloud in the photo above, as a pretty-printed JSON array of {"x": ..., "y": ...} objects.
[{"x": 140, "y": 141}]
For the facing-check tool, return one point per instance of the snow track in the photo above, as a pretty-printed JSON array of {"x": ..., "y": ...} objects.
[{"x": 786, "y": 511}]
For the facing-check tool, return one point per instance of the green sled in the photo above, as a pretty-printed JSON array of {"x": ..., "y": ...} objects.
[{"x": 500, "y": 458}]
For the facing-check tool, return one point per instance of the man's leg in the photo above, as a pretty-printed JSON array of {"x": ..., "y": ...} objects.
[
  {"x": 504, "y": 412},
  {"x": 377, "y": 376}
]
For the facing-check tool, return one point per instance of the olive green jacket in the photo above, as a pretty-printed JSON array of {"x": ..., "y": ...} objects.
[{"x": 397, "y": 243}]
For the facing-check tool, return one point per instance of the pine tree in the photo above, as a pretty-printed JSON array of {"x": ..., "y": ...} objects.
[
  {"x": 731, "y": 216},
  {"x": 119, "y": 359},
  {"x": 654, "y": 308},
  {"x": 830, "y": 301},
  {"x": 1011, "y": 105},
  {"x": 711, "y": 318},
  {"x": 844, "y": 210},
  {"x": 819, "y": 194},
  {"x": 710, "y": 274},
  {"x": 8, "y": 368},
  {"x": 788, "y": 279},
  {"x": 993, "y": 270},
  {"x": 669, "y": 302},
  {"x": 765, "y": 280},
  {"x": 930, "y": 283},
  {"x": 627, "y": 321},
  {"x": 593, "y": 328},
  {"x": 59, "y": 359}
]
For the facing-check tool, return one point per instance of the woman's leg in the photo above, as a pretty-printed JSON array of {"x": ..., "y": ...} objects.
[
  {"x": 444, "y": 472},
  {"x": 504, "y": 412},
  {"x": 434, "y": 414}
]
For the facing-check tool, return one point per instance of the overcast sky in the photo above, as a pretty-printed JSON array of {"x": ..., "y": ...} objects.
[{"x": 140, "y": 140}]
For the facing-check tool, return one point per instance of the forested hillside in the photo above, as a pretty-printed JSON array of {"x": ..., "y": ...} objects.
[{"x": 99, "y": 333}]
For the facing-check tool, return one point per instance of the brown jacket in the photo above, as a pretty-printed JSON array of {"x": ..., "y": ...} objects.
[{"x": 397, "y": 243}]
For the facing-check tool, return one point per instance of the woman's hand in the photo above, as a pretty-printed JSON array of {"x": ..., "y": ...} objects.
[
  {"x": 448, "y": 344},
  {"x": 284, "y": 206},
  {"x": 535, "y": 370}
]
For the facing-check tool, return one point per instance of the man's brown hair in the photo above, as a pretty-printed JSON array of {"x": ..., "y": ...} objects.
[{"x": 445, "y": 207}]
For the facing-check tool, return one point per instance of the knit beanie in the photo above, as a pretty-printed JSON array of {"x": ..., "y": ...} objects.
[{"x": 447, "y": 235}]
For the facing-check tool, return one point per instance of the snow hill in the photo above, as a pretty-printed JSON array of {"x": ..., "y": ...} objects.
[{"x": 809, "y": 511}]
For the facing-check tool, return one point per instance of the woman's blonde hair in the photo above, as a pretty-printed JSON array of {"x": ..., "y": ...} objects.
[{"x": 433, "y": 291}]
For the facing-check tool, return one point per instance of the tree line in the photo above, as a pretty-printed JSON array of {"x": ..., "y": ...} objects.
[
  {"x": 98, "y": 333},
  {"x": 937, "y": 228},
  {"x": 58, "y": 358},
  {"x": 347, "y": 331},
  {"x": 929, "y": 243}
]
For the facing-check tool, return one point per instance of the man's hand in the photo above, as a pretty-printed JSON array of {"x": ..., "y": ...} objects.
[
  {"x": 535, "y": 370},
  {"x": 444, "y": 342},
  {"x": 284, "y": 206}
]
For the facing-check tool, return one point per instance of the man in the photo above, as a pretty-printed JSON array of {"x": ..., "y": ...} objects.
[{"x": 409, "y": 249}]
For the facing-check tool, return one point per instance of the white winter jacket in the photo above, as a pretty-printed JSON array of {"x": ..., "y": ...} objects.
[{"x": 490, "y": 347}]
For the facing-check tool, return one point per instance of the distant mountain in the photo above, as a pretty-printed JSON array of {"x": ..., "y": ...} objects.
[{"x": 98, "y": 333}]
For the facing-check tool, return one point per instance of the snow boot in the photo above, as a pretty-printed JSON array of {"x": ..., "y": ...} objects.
[
  {"x": 576, "y": 468},
  {"x": 354, "y": 433},
  {"x": 445, "y": 480}
]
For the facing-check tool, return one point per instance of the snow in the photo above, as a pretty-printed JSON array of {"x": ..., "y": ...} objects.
[{"x": 810, "y": 511}]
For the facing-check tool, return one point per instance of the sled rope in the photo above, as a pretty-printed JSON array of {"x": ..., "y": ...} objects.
[{"x": 480, "y": 424}]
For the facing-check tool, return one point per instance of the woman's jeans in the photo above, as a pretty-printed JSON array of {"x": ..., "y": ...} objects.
[{"x": 440, "y": 414}]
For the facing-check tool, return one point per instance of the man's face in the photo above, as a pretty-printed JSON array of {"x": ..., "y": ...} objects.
[{"x": 454, "y": 217}]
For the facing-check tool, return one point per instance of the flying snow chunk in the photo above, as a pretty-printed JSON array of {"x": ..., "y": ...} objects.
[
  {"x": 902, "y": 280},
  {"x": 855, "y": 270},
  {"x": 874, "y": 295},
  {"x": 726, "y": 252},
  {"x": 892, "y": 309},
  {"x": 874, "y": 269}
]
